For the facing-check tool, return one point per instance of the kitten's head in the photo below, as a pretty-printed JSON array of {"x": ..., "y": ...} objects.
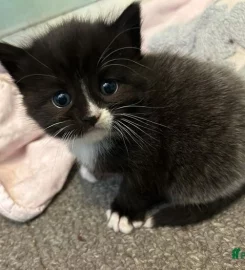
[{"x": 75, "y": 78}]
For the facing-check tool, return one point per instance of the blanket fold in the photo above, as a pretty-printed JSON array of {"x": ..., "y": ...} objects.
[{"x": 33, "y": 165}]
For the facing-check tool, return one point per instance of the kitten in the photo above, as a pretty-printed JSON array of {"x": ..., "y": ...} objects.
[{"x": 172, "y": 126}]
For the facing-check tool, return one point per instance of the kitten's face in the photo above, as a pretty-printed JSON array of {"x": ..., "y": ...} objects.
[{"x": 75, "y": 78}]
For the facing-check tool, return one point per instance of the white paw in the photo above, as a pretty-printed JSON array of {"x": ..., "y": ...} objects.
[
  {"x": 113, "y": 220},
  {"x": 137, "y": 224},
  {"x": 121, "y": 224},
  {"x": 149, "y": 223},
  {"x": 87, "y": 175},
  {"x": 125, "y": 226}
]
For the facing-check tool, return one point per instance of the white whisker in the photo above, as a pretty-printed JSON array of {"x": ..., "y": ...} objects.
[
  {"x": 106, "y": 49},
  {"x": 62, "y": 122},
  {"x": 126, "y": 59},
  {"x": 136, "y": 125},
  {"x": 144, "y": 119},
  {"x": 119, "y": 65},
  {"x": 121, "y": 134},
  {"x": 128, "y": 132},
  {"x": 116, "y": 103},
  {"x": 142, "y": 142},
  {"x": 67, "y": 138},
  {"x": 35, "y": 59},
  {"x": 60, "y": 130},
  {"x": 133, "y": 106},
  {"x": 27, "y": 76},
  {"x": 120, "y": 49},
  {"x": 131, "y": 116}
]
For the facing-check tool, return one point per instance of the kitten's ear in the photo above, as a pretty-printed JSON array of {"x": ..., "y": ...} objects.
[
  {"x": 10, "y": 56},
  {"x": 129, "y": 22}
]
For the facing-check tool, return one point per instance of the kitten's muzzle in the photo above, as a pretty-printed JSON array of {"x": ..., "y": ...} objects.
[{"x": 91, "y": 120}]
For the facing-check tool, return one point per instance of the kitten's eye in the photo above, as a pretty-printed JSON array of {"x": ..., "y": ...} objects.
[
  {"x": 108, "y": 87},
  {"x": 61, "y": 99}
]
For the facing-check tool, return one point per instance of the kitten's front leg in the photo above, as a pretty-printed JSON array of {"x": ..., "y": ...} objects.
[
  {"x": 129, "y": 208},
  {"x": 87, "y": 175},
  {"x": 94, "y": 177}
]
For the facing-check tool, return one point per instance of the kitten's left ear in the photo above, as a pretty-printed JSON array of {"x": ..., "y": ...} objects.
[
  {"x": 10, "y": 56},
  {"x": 129, "y": 22}
]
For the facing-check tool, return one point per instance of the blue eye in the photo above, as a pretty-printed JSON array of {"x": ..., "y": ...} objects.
[
  {"x": 108, "y": 87},
  {"x": 61, "y": 99}
]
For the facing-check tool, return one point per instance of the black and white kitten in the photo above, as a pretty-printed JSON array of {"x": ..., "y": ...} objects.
[{"x": 174, "y": 127}]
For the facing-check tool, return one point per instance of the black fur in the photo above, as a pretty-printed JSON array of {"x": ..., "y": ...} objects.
[{"x": 184, "y": 133}]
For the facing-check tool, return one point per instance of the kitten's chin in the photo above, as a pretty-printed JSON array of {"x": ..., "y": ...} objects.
[{"x": 94, "y": 135}]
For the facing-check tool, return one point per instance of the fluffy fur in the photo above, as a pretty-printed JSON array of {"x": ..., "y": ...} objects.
[{"x": 175, "y": 129}]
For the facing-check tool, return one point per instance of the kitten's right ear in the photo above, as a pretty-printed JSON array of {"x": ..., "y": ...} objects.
[
  {"x": 129, "y": 22},
  {"x": 10, "y": 56}
]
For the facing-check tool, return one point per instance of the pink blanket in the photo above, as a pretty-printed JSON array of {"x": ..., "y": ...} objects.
[{"x": 33, "y": 166}]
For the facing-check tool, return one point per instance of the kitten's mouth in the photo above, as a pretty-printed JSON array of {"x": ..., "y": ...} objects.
[
  {"x": 95, "y": 128},
  {"x": 101, "y": 129}
]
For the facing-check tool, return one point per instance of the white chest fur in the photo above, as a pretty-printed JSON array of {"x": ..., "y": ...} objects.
[{"x": 86, "y": 153}]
